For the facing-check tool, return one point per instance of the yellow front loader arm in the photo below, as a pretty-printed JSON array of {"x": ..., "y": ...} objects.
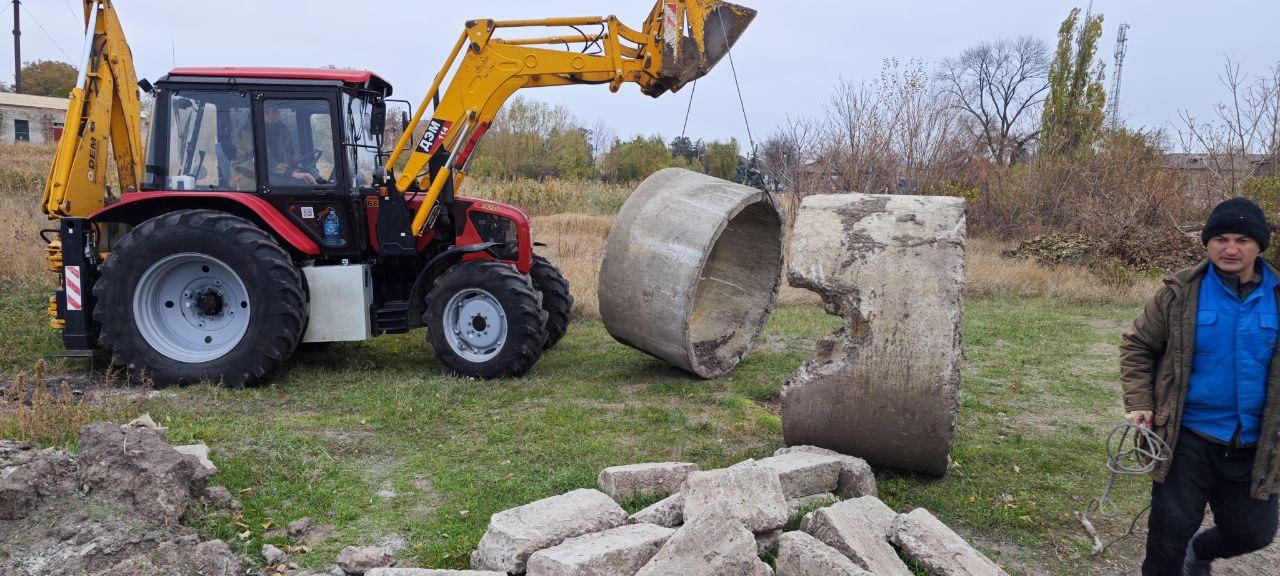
[
  {"x": 103, "y": 108},
  {"x": 681, "y": 40}
]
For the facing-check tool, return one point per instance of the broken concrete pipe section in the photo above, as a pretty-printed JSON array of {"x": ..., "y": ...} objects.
[
  {"x": 691, "y": 270},
  {"x": 885, "y": 386},
  {"x": 723, "y": 522}
]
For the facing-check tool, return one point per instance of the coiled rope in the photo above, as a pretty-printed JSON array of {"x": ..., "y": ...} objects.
[{"x": 1131, "y": 451}]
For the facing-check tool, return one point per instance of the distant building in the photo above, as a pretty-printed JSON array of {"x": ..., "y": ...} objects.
[
  {"x": 1203, "y": 180},
  {"x": 34, "y": 119}
]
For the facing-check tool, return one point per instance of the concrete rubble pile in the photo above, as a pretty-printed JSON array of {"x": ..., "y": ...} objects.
[
  {"x": 112, "y": 509},
  {"x": 725, "y": 522}
]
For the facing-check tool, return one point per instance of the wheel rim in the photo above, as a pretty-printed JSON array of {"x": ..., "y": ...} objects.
[
  {"x": 475, "y": 325},
  {"x": 191, "y": 307}
]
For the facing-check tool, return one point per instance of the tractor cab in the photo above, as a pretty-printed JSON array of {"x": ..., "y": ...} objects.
[{"x": 307, "y": 141}]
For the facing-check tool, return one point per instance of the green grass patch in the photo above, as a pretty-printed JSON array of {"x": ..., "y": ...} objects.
[{"x": 371, "y": 438}]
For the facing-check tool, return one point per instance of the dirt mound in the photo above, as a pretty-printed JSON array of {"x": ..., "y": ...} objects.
[{"x": 112, "y": 509}]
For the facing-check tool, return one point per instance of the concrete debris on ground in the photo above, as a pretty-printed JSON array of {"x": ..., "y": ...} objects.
[
  {"x": 668, "y": 512},
  {"x": 749, "y": 492},
  {"x": 513, "y": 535},
  {"x": 114, "y": 508},
  {"x": 933, "y": 545},
  {"x": 621, "y": 550},
  {"x": 726, "y": 522},
  {"x": 800, "y": 554},
  {"x": 656, "y": 480},
  {"x": 847, "y": 528},
  {"x": 693, "y": 290},
  {"x": 723, "y": 522},
  {"x": 711, "y": 544},
  {"x": 361, "y": 559},
  {"x": 885, "y": 386}
]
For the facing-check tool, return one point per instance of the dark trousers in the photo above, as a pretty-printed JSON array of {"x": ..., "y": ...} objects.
[{"x": 1206, "y": 473}]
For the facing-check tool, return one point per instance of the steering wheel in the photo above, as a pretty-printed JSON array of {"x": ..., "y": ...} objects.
[{"x": 308, "y": 165}]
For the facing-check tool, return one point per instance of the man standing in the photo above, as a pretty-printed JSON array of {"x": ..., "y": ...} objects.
[{"x": 1198, "y": 366}]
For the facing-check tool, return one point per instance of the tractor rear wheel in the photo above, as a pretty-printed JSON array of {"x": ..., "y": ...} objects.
[
  {"x": 200, "y": 295},
  {"x": 484, "y": 319},
  {"x": 556, "y": 300}
]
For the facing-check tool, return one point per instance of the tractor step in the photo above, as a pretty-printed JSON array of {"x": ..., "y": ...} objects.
[{"x": 392, "y": 318}]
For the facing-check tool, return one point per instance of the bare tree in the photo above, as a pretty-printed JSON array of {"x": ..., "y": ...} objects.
[
  {"x": 1000, "y": 86},
  {"x": 791, "y": 159},
  {"x": 1243, "y": 134},
  {"x": 896, "y": 134}
]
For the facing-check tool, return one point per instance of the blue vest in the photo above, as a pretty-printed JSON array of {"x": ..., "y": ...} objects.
[{"x": 1235, "y": 341}]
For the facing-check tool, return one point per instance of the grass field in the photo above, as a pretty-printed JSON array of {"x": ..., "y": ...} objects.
[{"x": 371, "y": 438}]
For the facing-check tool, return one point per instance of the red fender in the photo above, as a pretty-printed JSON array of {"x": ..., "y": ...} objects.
[{"x": 136, "y": 207}]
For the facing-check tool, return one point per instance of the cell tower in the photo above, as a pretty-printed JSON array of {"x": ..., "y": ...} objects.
[{"x": 1113, "y": 107}]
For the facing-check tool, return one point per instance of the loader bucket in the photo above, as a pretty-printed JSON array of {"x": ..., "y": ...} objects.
[{"x": 695, "y": 35}]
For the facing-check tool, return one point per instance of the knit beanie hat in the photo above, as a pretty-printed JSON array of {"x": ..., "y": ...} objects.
[{"x": 1238, "y": 216}]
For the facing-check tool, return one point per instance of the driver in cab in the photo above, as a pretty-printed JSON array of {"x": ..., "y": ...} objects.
[{"x": 282, "y": 148}]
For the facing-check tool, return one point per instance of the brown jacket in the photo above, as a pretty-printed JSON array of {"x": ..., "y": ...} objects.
[{"x": 1155, "y": 371}]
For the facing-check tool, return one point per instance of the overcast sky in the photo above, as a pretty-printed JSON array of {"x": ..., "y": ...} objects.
[{"x": 787, "y": 61}]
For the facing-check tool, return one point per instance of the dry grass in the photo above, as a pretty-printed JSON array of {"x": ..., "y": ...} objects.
[
  {"x": 23, "y": 169},
  {"x": 990, "y": 274},
  {"x": 52, "y": 414},
  {"x": 575, "y": 244},
  {"x": 545, "y": 197}
]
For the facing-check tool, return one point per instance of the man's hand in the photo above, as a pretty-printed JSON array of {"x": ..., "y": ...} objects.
[
  {"x": 306, "y": 177},
  {"x": 1139, "y": 418}
]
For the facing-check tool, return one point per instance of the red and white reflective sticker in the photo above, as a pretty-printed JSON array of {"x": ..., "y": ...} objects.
[{"x": 73, "y": 287}]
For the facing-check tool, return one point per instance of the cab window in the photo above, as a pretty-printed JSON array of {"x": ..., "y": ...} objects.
[
  {"x": 298, "y": 135},
  {"x": 210, "y": 142},
  {"x": 361, "y": 145}
]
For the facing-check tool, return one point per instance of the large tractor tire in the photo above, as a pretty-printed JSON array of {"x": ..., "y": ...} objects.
[
  {"x": 556, "y": 300},
  {"x": 200, "y": 295},
  {"x": 485, "y": 320}
]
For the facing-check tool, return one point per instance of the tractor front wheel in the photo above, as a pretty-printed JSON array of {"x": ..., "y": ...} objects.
[
  {"x": 200, "y": 295},
  {"x": 485, "y": 320}
]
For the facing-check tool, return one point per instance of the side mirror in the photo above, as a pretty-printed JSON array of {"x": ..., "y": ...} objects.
[{"x": 378, "y": 123}]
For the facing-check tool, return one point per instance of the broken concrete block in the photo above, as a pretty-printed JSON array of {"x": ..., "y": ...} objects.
[
  {"x": 694, "y": 290},
  {"x": 620, "y": 551},
  {"x": 627, "y": 483},
  {"x": 800, "y": 554},
  {"x": 933, "y": 545},
  {"x": 807, "y": 503},
  {"x": 513, "y": 535},
  {"x": 361, "y": 559},
  {"x": 854, "y": 527},
  {"x": 805, "y": 473},
  {"x": 668, "y": 512},
  {"x": 708, "y": 545},
  {"x": 273, "y": 556},
  {"x": 429, "y": 572},
  {"x": 201, "y": 453},
  {"x": 767, "y": 543},
  {"x": 747, "y": 491},
  {"x": 856, "y": 477},
  {"x": 885, "y": 386}
]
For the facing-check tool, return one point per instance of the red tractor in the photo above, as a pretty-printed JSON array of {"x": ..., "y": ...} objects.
[{"x": 267, "y": 213}]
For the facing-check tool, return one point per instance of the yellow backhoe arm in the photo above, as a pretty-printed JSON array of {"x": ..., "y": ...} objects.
[
  {"x": 103, "y": 107},
  {"x": 681, "y": 40}
]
